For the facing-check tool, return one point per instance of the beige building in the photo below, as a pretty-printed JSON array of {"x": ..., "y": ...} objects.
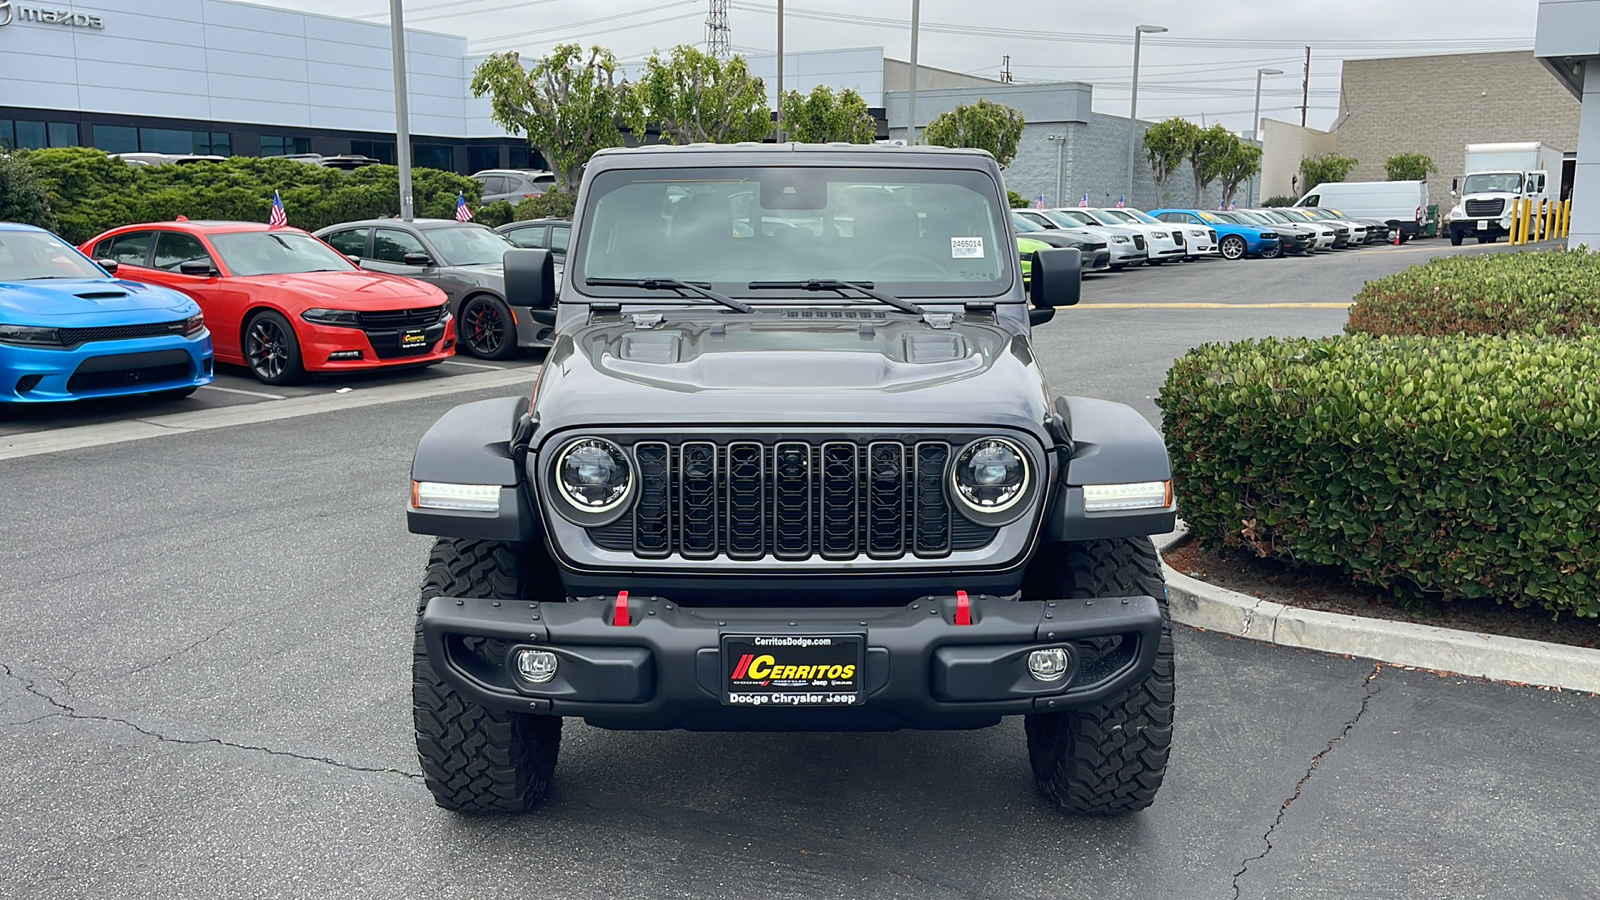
[{"x": 1428, "y": 104}]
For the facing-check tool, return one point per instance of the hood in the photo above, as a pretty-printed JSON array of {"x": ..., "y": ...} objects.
[
  {"x": 802, "y": 366},
  {"x": 88, "y": 302},
  {"x": 357, "y": 289}
]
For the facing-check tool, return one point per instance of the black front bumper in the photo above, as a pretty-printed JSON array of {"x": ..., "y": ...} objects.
[{"x": 665, "y": 668}]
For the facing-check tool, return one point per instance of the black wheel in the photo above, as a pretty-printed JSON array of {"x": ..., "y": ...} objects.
[
  {"x": 1157, "y": 262},
  {"x": 1271, "y": 251},
  {"x": 476, "y": 759},
  {"x": 1110, "y": 758},
  {"x": 1233, "y": 247},
  {"x": 486, "y": 329},
  {"x": 271, "y": 349},
  {"x": 1455, "y": 238}
]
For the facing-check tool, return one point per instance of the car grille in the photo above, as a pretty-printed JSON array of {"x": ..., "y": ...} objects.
[
  {"x": 384, "y": 320},
  {"x": 1489, "y": 208},
  {"x": 131, "y": 370},
  {"x": 1138, "y": 241},
  {"x": 72, "y": 337},
  {"x": 792, "y": 500}
]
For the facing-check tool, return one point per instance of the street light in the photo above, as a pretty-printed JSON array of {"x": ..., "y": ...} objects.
[
  {"x": 1061, "y": 149},
  {"x": 780, "y": 72},
  {"x": 1255, "y": 130},
  {"x": 1133, "y": 103},
  {"x": 402, "y": 123},
  {"x": 911, "y": 96}
]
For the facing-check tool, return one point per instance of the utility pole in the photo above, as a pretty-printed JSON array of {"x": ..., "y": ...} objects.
[
  {"x": 718, "y": 36},
  {"x": 911, "y": 96},
  {"x": 1133, "y": 101},
  {"x": 1305, "y": 90},
  {"x": 1005, "y": 69},
  {"x": 402, "y": 114},
  {"x": 780, "y": 71}
]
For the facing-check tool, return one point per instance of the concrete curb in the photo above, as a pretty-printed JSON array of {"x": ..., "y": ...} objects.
[{"x": 1207, "y": 606}]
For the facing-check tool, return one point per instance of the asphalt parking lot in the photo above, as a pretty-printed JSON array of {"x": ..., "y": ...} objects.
[{"x": 206, "y": 691}]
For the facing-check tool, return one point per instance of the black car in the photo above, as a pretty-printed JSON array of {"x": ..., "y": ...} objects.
[{"x": 806, "y": 477}]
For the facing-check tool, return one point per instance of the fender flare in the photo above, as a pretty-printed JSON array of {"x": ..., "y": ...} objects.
[
  {"x": 1110, "y": 443},
  {"x": 472, "y": 444}
]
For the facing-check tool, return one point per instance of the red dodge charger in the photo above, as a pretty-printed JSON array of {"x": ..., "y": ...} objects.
[{"x": 282, "y": 302}]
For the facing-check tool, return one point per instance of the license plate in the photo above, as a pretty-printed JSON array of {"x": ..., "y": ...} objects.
[
  {"x": 785, "y": 670},
  {"x": 413, "y": 338},
  {"x": 1483, "y": 224}
]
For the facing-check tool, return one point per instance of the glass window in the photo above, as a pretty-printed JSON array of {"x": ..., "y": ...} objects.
[
  {"x": 918, "y": 233},
  {"x": 116, "y": 138},
  {"x": 8, "y": 136},
  {"x": 130, "y": 249},
  {"x": 352, "y": 242},
  {"x": 480, "y": 158},
  {"x": 217, "y": 143},
  {"x": 433, "y": 156},
  {"x": 280, "y": 145},
  {"x": 166, "y": 140},
  {"x": 174, "y": 248},
  {"x": 468, "y": 245},
  {"x": 31, "y": 136},
  {"x": 277, "y": 253},
  {"x": 29, "y": 255},
  {"x": 560, "y": 236},
  {"x": 63, "y": 134},
  {"x": 531, "y": 237},
  {"x": 382, "y": 151},
  {"x": 492, "y": 184},
  {"x": 392, "y": 245},
  {"x": 521, "y": 157}
]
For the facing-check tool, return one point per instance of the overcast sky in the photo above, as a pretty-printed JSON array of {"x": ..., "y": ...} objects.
[{"x": 1203, "y": 68}]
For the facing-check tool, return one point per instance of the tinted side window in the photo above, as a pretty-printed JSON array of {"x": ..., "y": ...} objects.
[
  {"x": 391, "y": 245},
  {"x": 560, "y": 236},
  {"x": 531, "y": 237},
  {"x": 1310, "y": 201},
  {"x": 352, "y": 242},
  {"x": 173, "y": 249},
  {"x": 494, "y": 184},
  {"x": 128, "y": 249}
]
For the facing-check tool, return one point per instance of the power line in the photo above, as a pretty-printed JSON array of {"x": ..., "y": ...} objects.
[{"x": 502, "y": 38}]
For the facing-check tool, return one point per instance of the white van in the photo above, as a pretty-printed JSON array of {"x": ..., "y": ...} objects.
[{"x": 1400, "y": 204}]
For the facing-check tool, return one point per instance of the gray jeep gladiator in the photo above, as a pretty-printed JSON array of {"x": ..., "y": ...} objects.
[{"x": 791, "y": 464}]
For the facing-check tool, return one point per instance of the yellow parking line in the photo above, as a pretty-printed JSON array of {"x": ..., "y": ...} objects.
[{"x": 1343, "y": 305}]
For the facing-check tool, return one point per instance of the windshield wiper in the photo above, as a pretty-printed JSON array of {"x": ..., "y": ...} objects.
[
  {"x": 834, "y": 284},
  {"x": 672, "y": 284}
]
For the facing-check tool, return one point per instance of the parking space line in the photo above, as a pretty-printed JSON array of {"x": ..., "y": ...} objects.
[
  {"x": 228, "y": 390},
  {"x": 1159, "y": 305},
  {"x": 457, "y": 362}
]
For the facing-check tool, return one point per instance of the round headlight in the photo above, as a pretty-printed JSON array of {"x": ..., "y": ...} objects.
[
  {"x": 594, "y": 474},
  {"x": 990, "y": 475}
]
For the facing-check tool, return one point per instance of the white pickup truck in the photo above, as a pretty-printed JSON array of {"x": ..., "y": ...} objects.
[{"x": 1498, "y": 174}]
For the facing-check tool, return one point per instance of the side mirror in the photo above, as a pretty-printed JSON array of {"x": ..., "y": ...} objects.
[
  {"x": 353, "y": 258},
  {"x": 199, "y": 267},
  {"x": 1056, "y": 280},
  {"x": 110, "y": 265},
  {"x": 418, "y": 259},
  {"x": 1455, "y": 185},
  {"x": 530, "y": 278}
]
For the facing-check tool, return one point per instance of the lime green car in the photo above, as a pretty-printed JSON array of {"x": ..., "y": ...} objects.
[{"x": 1026, "y": 246}]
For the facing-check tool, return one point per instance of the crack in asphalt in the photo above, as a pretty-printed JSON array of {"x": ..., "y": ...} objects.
[
  {"x": 68, "y": 712},
  {"x": 177, "y": 653},
  {"x": 1371, "y": 691}
]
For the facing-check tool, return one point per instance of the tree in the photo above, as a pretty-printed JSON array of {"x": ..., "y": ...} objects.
[
  {"x": 1208, "y": 155},
  {"x": 1409, "y": 167},
  {"x": 1167, "y": 145},
  {"x": 693, "y": 97},
  {"x": 1242, "y": 163},
  {"x": 1328, "y": 167},
  {"x": 983, "y": 125},
  {"x": 823, "y": 116},
  {"x": 570, "y": 106},
  {"x": 22, "y": 197}
]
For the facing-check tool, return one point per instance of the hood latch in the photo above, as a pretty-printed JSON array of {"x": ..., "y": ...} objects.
[{"x": 940, "y": 321}]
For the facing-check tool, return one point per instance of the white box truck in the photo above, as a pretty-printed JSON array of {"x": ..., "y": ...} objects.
[
  {"x": 1497, "y": 174},
  {"x": 1401, "y": 205}
]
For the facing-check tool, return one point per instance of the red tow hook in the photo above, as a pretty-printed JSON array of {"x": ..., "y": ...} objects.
[
  {"x": 963, "y": 609},
  {"x": 619, "y": 612}
]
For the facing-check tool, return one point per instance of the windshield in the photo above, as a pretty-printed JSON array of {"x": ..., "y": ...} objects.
[
  {"x": 1249, "y": 218},
  {"x": 1225, "y": 217},
  {"x": 1142, "y": 216},
  {"x": 1068, "y": 218},
  {"x": 1510, "y": 182},
  {"x": 1119, "y": 217},
  {"x": 1026, "y": 225},
  {"x": 1271, "y": 215},
  {"x": 32, "y": 255},
  {"x": 469, "y": 245},
  {"x": 277, "y": 253},
  {"x": 911, "y": 232}
]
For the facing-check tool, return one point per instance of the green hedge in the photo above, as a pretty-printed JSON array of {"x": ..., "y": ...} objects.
[
  {"x": 1431, "y": 466},
  {"x": 549, "y": 205},
  {"x": 91, "y": 192},
  {"x": 1556, "y": 293}
]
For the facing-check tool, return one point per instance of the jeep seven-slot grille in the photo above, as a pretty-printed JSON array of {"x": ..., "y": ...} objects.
[{"x": 787, "y": 499}]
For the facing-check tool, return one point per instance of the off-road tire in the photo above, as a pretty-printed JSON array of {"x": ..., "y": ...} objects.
[
  {"x": 1111, "y": 758},
  {"x": 476, "y": 759}
]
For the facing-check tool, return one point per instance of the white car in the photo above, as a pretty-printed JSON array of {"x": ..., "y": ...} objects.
[
  {"x": 1164, "y": 240},
  {"x": 1198, "y": 241},
  {"x": 1127, "y": 245},
  {"x": 1324, "y": 233}
]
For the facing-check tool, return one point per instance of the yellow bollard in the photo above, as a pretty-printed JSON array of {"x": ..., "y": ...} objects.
[
  {"x": 1538, "y": 221},
  {"x": 1527, "y": 220},
  {"x": 1545, "y": 209},
  {"x": 1566, "y": 216},
  {"x": 1515, "y": 237}
]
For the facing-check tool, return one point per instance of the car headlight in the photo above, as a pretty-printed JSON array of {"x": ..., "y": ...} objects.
[
  {"x": 990, "y": 475},
  {"x": 28, "y": 334},
  {"x": 594, "y": 475},
  {"x": 344, "y": 318},
  {"x": 1116, "y": 497},
  {"x": 1119, "y": 239},
  {"x": 194, "y": 325}
]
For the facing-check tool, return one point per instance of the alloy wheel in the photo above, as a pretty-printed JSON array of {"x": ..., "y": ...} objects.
[
  {"x": 267, "y": 349},
  {"x": 1233, "y": 247},
  {"x": 485, "y": 328}
]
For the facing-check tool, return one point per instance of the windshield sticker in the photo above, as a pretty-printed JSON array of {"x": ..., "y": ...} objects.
[{"x": 966, "y": 248}]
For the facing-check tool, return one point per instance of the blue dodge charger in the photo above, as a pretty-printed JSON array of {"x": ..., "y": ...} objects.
[{"x": 69, "y": 331}]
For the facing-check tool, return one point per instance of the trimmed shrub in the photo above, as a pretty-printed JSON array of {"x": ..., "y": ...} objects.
[
  {"x": 1428, "y": 466},
  {"x": 22, "y": 198},
  {"x": 1280, "y": 200},
  {"x": 1555, "y": 293},
  {"x": 549, "y": 205},
  {"x": 494, "y": 214}
]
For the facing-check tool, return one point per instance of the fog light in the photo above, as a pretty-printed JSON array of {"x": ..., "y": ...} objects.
[
  {"x": 344, "y": 354},
  {"x": 1047, "y": 665},
  {"x": 536, "y": 666}
]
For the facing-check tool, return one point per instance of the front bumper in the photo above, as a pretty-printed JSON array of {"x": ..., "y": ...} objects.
[
  {"x": 379, "y": 349},
  {"x": 1126, "y": 254},
  {"x": 666, "y": 669},
  {"x": 31, "y": 374}
]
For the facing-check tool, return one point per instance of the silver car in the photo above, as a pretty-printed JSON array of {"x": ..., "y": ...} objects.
[
  {"x": 1129, "y": 246},
  {"x": 463, "y": 260},
  {"x": 514, "y": 185}
]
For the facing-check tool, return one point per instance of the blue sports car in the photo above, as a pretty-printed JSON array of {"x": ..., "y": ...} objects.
[
  {"x": 1234, "y": 241},
  {"x": 69, "y": 331}
]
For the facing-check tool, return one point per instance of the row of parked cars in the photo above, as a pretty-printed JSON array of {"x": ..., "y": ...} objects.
[{"x": 1112, "y": 239}]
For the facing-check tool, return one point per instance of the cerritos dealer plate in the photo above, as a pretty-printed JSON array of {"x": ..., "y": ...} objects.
[{"x": 783, "y": 670}]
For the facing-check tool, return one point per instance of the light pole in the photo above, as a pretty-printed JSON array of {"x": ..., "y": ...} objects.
[
  {"x": 1255, "y": 130},
  {"x": 1133, "y": 102},
  {"x": 402, "y": 123},
  {"x": 780, "y": 71},
  {"x": 911, "y": 96},
  {"x": 1061, "y": 149}
]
